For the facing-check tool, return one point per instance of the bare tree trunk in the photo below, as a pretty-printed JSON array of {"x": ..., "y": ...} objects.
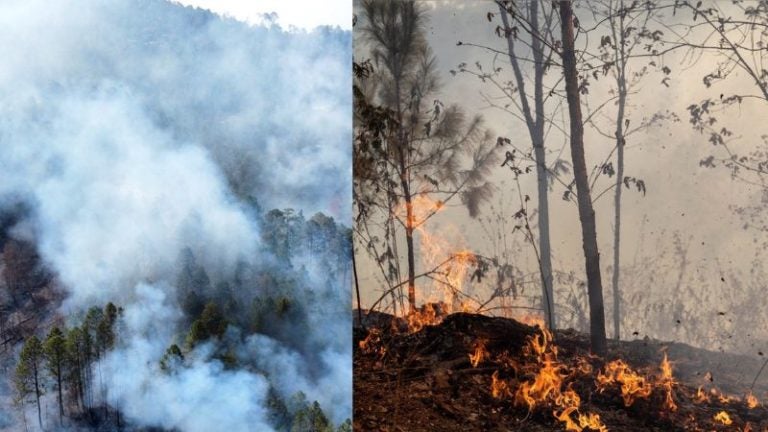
[
  {"x": 621, "y": 83},
  {"x": 586, "y": 212},
  {"x": 61, "y": 399},
  {"x": 357, "y": 287},
  {"x": 617, "y": 218},
  {"x": 37, "y": 396},
  {"x": 536, "y": 132},
  {"x": 409, "y": 244},
  {"x": 403, "y": 153}
]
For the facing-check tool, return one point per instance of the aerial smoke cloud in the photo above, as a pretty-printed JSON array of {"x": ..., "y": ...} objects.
[{"x": 135, "y": 129}]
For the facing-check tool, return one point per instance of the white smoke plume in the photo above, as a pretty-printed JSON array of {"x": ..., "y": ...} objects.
[{"x": 135, "y": 129}]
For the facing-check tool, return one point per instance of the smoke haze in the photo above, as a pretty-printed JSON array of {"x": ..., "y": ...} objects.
[{"x": 135, "y": 129}]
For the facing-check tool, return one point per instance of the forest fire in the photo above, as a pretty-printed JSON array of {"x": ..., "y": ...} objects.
[
  {"x": 446, "y": 263},
  {"x": 534, "y": 375},
  {"x": 480, "y": 353},
  {"x": 723, "y": 418}
]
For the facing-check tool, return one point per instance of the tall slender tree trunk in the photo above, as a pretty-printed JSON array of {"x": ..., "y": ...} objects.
[
  {"x": 61, "y": 399},
  {"x": 544, "y": 241},
  {"x": 535, "y": 123},
  {"x": 586, "y": 212},
  {"x": 405, "y": 183},
  {"x": 617, "y": 206},
  {"x": 37, "y": 395},
  {"x": 409, "y": 242},
  {"x": 621, "y": 84},
  {"x": 24, "y": 415},
  {"x": 357, "y": 287}
]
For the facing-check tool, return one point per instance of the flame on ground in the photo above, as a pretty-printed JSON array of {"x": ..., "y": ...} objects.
[
  {"x": 723, "y": 418},
  {"x": 480, "y": 353},
  {"x": 666, "y": 382},
  {"x": 633, "y": 385},
  {"x": 449, "y": 264},
  {"x": 372, "y": 343},
  {"x": 751, "y": 401},
  {"x": 545, "y": 387}
]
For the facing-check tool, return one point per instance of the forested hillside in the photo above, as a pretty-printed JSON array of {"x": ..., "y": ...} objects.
[{"x": 158, "y": 271}]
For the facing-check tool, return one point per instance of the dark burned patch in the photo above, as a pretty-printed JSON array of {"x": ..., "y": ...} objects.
[{"x": 425, "y": 381}]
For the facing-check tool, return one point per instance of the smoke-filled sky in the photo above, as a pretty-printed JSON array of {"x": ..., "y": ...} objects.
[
  {"x": 684, "y": 200},
  {"x": 300, "y": 14},
  {"x": 135, "y": 129}
]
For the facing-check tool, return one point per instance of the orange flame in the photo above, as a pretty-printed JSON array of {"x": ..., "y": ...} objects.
[
  {"x": 499, "y": 387},
  {"x": 479, "y": 355},
  {"x": 372, "y": 343},
  {"x": 429, "y": 314},
  {"x": 667, "y": 381},
  {"x": 633, "y": 386},
  {"x": 450, "y": 264},
  {"x": 701, "y": 396},
  {"x": 723, "y": 418},
  {"x": 546, "y": 386},
  {"x": 751, "y": 401},
  {"x": 723, "y": 398}
]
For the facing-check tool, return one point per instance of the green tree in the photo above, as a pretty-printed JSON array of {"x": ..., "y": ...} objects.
[
  {"x": 29, "y": 374},
  {"x": 433, "y": 151},
  {"x": 55, "y": 353},
  {"x": 75, "y": 361},
  {"x": 345, "y": 427},
  {"x": 308, "y": 417},
  {"x": 172, "y": 358},
  {"x": 211, "y": 323}
]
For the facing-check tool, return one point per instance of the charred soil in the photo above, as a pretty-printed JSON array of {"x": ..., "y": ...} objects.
[{"x": 479, "y": 373}]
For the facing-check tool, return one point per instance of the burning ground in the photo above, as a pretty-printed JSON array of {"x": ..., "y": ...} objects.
[{"x": 474, "y": 372}]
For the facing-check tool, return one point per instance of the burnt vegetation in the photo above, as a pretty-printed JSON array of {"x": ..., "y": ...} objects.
[{"x": 460, "y": 333}]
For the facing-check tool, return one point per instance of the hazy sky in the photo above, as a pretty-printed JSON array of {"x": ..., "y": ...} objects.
[{"x": 305, "y": 14}]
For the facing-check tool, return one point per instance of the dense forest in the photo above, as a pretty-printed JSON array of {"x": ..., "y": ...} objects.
[
  {"x": 174, "y": 221},
  {"x": 257, "y": 306}
]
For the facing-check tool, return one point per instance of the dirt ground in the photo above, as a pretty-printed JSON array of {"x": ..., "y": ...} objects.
[{"x": 424, "y": 381}]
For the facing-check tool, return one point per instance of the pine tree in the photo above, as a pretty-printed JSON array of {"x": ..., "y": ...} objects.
[
  {"x": 29, "y": 374},
  {"x": 54, "y": 351},
  {"x": 172, "y": 358},
  {"x": 75, "y": 361},
  {"x": 211, "y": 323}
]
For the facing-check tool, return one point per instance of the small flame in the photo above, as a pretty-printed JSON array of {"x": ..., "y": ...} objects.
[
  {"x": 723, "y": 398},
  {"x": 372, "y": 343},
  {"x": 723, "y": 418},
  {"x": 751, "y": 401},
  {"x": 667, "y": 381},
  {"x": 479, "y": 355},
  {"x": 499, "y": 387},
  {"x": 428, "y": 315},
  {"x": 633, "y": 386},
  {"x": 701, "y": 396}
]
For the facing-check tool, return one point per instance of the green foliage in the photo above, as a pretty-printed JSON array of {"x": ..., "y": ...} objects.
[
  {"x": 74, "y": 345},
  {"x": 172, "y": 358},
  {"x": 91, "y": 330},
  {"x": 345, "y": 427},
  {"x": 210, "y": 324},
  {"x": 29, "y": 374},
  {"x": 311, "y": 419},
  {"x": 54, "y": 351}
]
